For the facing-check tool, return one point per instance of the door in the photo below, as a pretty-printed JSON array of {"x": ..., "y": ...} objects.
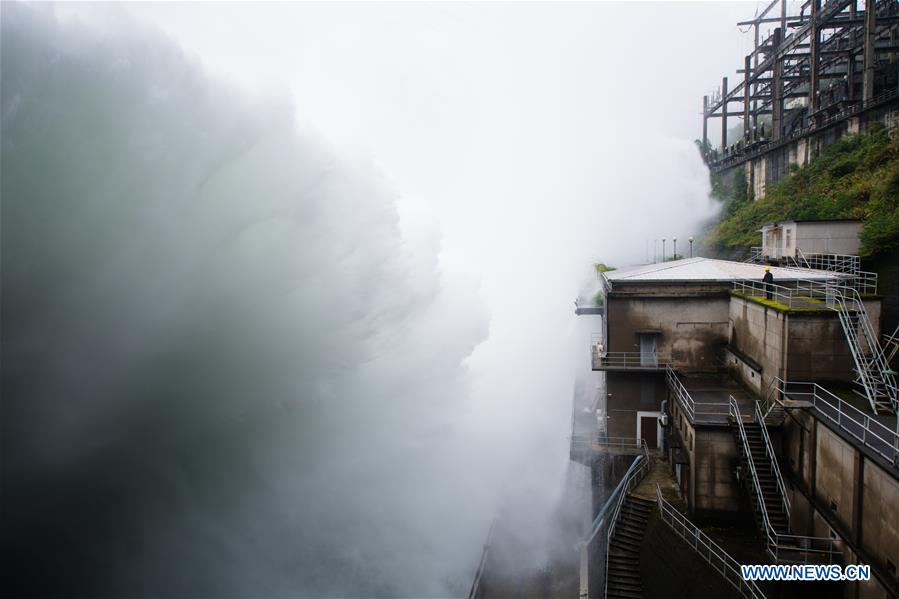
[
  {"x": 648, "y": 349},
  {"x": 648, "y": 430}
]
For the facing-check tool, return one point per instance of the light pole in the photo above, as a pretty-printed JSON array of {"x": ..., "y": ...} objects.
[
  {"x": 663, "y": 249},
  {"x": 674, "y": 241},
  {"x": 691, "y": 247}
]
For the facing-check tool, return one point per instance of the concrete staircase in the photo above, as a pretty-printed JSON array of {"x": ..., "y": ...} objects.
[
  {"x": 770, "y": 494},
  {"x": 623, "y": 577}
]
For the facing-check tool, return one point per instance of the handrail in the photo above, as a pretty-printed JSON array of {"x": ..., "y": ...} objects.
[
  {"x": 625, "y": 359},
  {"x": 772, "y": 461},
  {"x": 867, "y": 430},
  {"x": 607, "y": 514},
  {"x": 629, "y": 483},
  {"x": 617, "y": 442},
  {"x": 779, "y": 545},
  {"x": 475, "y": 592},
  {"x": 880, "y": 382},
  {"x": 715, "y": 412},
  {"x": 712, "y": 552},
  {"x": 680, "y": 393}
]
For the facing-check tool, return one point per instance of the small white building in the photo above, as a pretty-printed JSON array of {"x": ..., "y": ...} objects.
[{"x": 782, "y": 239}]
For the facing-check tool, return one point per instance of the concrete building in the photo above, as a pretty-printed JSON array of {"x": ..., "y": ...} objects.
[
  {"x": 790, "y": 238},
  {"x": 701, "y": 360}
]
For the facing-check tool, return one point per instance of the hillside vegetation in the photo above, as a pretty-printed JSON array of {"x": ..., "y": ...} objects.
[{"x": 856, "y": 177}]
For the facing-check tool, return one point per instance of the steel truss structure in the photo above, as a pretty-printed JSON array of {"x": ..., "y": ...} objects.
[{"x": 831, "y": 61}]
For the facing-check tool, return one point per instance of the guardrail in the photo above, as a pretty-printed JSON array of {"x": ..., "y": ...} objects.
[
  {"x": 803, "y": 290},
  {"x": 772, "y": 461},
  {"x": 629, "y": 483},
  {"x": 629, "y": 360},
  {"x": 589, "y": 578},
  {"x": 709, "y": 550},
  {"x": 702, "y": 412},
  {"x": 732, "y": 159},
  {"x": 476, "y": 591},
  {"x": 620, "y": 443},
  {"x": 865, "y": 429},
  {"x": 782, "y": 547}
]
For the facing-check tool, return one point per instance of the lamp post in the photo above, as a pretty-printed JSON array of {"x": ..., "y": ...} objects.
[
  {"x": 663, "y": 249},
  {"x": 691, "y": 247},
  {"x": 674, "y": 254}
]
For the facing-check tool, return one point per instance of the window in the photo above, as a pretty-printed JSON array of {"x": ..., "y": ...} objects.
[{"x": 788, "y": 241}]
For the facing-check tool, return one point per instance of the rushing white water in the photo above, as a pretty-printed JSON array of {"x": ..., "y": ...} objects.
[
  {"x": 224, "y": 372},
  {"x": 229, "y": 370}
]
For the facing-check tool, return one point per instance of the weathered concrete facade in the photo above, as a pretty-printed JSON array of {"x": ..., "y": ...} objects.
[
  {"x": 693, "y": 332},
  {"x": 838, "y": 488},
  {"x": 791, "y": 345},
  {"x": 770, "y": 166}
]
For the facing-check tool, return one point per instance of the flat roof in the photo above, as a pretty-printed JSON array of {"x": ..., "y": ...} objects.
[
  {"x": 712, "y": 270},
  {"x": 814, "y": 220}
]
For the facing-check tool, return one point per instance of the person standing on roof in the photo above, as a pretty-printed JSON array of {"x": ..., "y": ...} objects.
[{"x": 768, "y": 280}]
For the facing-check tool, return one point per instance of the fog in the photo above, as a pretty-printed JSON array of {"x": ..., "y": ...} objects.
[{"x": 287, "y": 290}]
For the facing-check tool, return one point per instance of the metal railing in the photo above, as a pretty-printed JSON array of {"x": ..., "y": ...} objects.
[
  {"x": 792, "y": 296},
  {"x": 713, "y": 554},
  {"x": 705, "y": 412},
  {"x": 865, "y": 429},
  {"x": 477, "y": 591},
  {"x": 773, "y": 466},
  {"x": 629, "y": 482},
  {"x": 845, "y": 263},
  {"x": 596, "y": 443},
  {"x": 629, "y": 360},
  {"x": 732, "y": 159},
  {"x": 605, "y": 519},
  {"x": 755, "y": 255},
  {"x": 873, "y": 372},
  {"x": 781, "y": 547}
]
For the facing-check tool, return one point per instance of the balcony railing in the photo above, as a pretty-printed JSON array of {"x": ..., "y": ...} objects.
[
  {"x": 867, "y": 430},
  {"x": 629, "y": 360},
  {"x": 702, "y": 412}
]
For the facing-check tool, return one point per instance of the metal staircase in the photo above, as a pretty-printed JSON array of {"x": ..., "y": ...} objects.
[
  {"x": 770, "y": 503},
  {"x": 623, "y": 570},
  {"x": 891, "y": 346},
  {"x": 768, "y": 494},
  {"x": 873, "y": 374}
]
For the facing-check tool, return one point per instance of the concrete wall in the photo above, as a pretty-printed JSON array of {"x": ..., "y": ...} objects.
[
  {"x": 836, "y": 237},
  {"x": 759, "y": 332},
  {"x": 851, "y": 494},
  {"x": 767, "y": 168},
  {"x": 817, "y": 349},
  {"x": 629, "y": 393},
  {"x": 798, "y": 346},
  {"x": 694, "y": 330},
  {"x": 712, "y": 463},
  {"x": 880, "y": 516},
  {"x": 837, "y": 476}
]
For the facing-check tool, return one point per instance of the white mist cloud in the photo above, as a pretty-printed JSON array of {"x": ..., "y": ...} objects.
[{"x": 320, "y": 327}]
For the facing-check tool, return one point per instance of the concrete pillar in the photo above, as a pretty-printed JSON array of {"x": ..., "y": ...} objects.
[
  {"x": 723, "y": 113},
  {"x": 783, "y": 17},
  {"x": 755, "y": 64},
  {"x": 777, "y": 103},
  {"x": 747, "y": 130},
  {"x": 858, "y": 498},
  {"x": 705, "y": 124},
  {"x": 870, "y": 27},
  {"x": 814, "y": 54}
]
